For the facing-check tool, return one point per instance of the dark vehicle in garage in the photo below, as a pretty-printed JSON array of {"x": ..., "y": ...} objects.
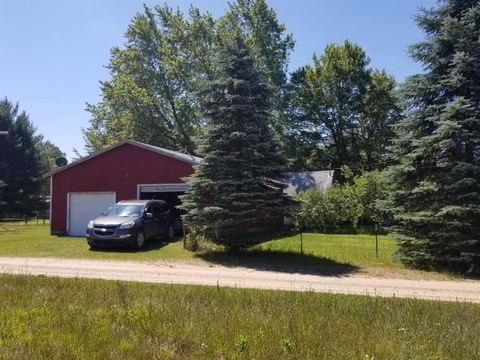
[{"x": 131, "y": 223}]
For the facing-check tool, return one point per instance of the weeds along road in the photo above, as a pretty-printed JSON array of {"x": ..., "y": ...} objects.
[{"x": 240, "y": 277}]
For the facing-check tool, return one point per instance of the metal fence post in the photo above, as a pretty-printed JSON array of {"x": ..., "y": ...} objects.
[{"x": 301, "y": 242}]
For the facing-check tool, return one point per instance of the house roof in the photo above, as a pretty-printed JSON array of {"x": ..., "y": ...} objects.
[
  {"x": 190, "y": 159},
  {"x": 301, "y": 181}
]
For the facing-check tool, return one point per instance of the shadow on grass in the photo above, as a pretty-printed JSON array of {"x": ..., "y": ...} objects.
[
  {"x": 282, "y": 261},
  {"x": 150, "y": 245}
]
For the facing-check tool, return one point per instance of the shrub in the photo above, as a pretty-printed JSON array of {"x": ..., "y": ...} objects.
[
  {"x": 371, "y": 189},
  {"x": 327, "y": 211},
  {"x": 195, "y": 240},
  {"x": 342, "y": 204}
]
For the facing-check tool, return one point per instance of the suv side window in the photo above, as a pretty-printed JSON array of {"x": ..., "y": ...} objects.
[
  {"x": 163, "y": 207},
  {"x": 156, "y": 209}
]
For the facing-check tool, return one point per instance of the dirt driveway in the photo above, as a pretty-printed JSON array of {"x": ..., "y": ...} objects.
[{"x": 183, "y": 273}]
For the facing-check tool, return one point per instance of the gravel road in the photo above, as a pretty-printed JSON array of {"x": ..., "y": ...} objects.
[{"x": 240, "y": 277}]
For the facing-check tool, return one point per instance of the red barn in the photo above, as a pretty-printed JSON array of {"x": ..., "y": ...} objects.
[{"x": 129, "y": 169}]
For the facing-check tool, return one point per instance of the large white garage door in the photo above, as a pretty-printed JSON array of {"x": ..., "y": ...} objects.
[{"x": 83, "y": 207}]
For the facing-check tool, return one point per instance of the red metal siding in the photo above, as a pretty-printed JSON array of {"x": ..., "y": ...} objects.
[{"x": 120, "y": 170}]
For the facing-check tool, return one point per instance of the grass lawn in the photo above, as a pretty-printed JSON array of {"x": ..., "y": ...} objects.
[
  {"x": 323, "y": 253},
  {"x": 353, "y": 249},
  {"x": 36, "y": 241},
  {"x": 51, "y": 318}
]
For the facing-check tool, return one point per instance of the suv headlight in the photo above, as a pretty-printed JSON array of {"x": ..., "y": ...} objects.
[
  {"x": 90, "y": 225},
  {"x": 127, "y": 225}
]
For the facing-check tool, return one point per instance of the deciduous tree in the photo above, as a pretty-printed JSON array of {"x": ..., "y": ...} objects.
[
  {"x": 340, "y": 111},
  {"x": 155, "y": 76}
]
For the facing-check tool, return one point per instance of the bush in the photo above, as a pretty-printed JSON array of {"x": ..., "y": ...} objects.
[
  {"x": 327, "y": 211},
  {"x": 342, "y": 205},
  {"x": 195, "y": 240},
  {"x": 371, "y": 189}
]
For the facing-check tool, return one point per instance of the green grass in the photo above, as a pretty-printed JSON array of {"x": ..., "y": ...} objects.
[
  {"x": 36, "y": 241},
  {"x": 49, "y": 318},
  {"x": 352, "y": 249},
  {"x": 324, "y": 254}
]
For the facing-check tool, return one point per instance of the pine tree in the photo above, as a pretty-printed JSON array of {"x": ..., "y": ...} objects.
[
  {"x": 436, "y": 179},
  {"x": 229, "y": 190},
  {"x": 20, "y": 176}
]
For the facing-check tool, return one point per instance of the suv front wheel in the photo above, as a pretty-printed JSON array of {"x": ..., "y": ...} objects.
[{"x": 139, "y": 241}]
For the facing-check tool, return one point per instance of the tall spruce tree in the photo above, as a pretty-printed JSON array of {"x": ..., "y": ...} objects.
[
  {"x": 20, "y": 176},
  {"x": 436, "y": 180},
  {"x": 229, "y": 190}
]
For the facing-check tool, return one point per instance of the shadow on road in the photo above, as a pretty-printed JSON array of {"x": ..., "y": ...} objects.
[{"x": 282, "y": 261}]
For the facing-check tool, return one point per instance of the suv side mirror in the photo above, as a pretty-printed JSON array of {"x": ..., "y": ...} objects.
[{"x": 148, "y": 215}]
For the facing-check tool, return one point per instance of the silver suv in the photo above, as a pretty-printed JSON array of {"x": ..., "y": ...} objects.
[{"x": 131, "y": 223}]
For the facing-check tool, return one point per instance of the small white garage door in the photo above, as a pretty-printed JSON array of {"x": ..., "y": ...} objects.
[{"x": 83, "y": 207}]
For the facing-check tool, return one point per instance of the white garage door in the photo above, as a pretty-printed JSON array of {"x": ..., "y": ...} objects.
[{"x": 83, "y": 207}]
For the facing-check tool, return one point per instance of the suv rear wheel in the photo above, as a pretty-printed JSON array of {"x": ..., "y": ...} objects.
[{"x": 170, "y": 232}]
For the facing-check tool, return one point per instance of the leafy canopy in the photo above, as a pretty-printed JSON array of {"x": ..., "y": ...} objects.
[
  {"x": 155, "y": 76},
  {"x": 340, "y": 111}
]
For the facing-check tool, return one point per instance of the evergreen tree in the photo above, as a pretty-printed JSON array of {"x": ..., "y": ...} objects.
[
  {"x": 436, "y": 180},
  {"x": 19, "y": 166},
  {"x": 229, "y": 190}
]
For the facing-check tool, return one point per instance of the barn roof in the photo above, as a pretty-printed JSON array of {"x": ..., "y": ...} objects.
[{"x": 190, "y": 159}]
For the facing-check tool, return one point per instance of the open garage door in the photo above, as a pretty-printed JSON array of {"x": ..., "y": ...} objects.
[
  {"x": 83, "y": 207},
  {"x": 167, "y": 192}
]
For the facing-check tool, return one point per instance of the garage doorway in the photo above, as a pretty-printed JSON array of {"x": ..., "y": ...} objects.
[
  {"x": 83, "y": 207},
  {"x": 167, "y": 192}
]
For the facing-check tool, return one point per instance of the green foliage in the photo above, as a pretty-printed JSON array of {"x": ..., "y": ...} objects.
[
  {"x": 343, "y": 204},
  {"x": 228, "y": 188},
  {"x": 435, "y": 181},
  {"x": 152, "y": 93},
  {"x": 195, "y": 240},
  {"x": 242, "y": 343},
  {"x": 340, "y": 111},
  {"x": 265, "y": 36},
  {"x": 337, "y": 207},
  {"x": 54, "y": 318},
  {"x": 20, "y": 169},
  {"x": 46, "y": 153},
  {"x": 286, "y": 345},
  {"x": 371, "y": 189},
  {"x": 24, "y": 157}
]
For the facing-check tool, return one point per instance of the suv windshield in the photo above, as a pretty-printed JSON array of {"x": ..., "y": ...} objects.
[{"x": 125, "y": 210}]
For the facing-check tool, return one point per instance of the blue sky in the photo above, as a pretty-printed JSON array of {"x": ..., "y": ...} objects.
[{"x": 53, "y": 52}]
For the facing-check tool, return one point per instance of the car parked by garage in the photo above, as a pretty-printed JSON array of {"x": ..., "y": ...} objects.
[{"x": 131, "y": 223}]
